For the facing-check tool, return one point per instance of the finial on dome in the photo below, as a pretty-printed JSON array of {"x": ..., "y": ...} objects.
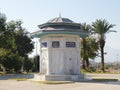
[{"x": 59, "y": 14}]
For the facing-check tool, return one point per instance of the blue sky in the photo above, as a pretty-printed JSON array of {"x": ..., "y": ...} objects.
[{"x": 35, "y": 12}]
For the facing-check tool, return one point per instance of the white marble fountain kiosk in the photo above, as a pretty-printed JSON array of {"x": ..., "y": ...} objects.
[{"x": 60, "y": 50}]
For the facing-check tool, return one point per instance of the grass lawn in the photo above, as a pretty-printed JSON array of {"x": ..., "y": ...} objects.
[
  {"x": 19, "y": 79},
  {"x": 55, "y": 82},
  {"x": 104, "y": 80},
  {"x": 2, "y": 73}
]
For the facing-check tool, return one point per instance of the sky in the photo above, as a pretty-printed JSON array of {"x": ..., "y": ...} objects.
[{"x": 35, "y": 12}]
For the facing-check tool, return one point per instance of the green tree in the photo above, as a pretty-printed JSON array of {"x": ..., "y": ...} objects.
[
  {"x": 12, "y": 62},
  {"x": 7, "y": 40},
  {"x": 28, "y": 64},
  {"x": 101, "y": 27},
  {"x": 85, "y": 61},
  {"x": 3, "y": 52},
  {"x": 22, "y": 40},
  {"x": 16, "y": 39},
  {"x": 91, "y": 49},
  {"x": 24, "y": 44},
  {"x": 37, "y": 63},
  {"x": 13, "y": 39},
  {"x": 2, "y": 23}
]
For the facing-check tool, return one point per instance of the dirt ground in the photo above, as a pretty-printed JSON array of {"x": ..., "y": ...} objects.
[{"x": 7, "y": 84}]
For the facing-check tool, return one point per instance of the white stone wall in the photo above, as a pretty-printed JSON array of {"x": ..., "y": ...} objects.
[
  {"x": 63, "y": 60},
  {"x": 44, "y": 61}
]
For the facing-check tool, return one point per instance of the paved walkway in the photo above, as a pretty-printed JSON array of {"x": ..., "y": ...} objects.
[
  {"x": 113, "y": 76},
  {"x": 6, "y": 84},
  {"x": 28, "y": 85}
]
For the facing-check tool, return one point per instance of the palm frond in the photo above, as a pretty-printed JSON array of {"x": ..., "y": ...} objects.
[
  {"x": 85, "y": 27},
  {"x": 101, "y": 26}
]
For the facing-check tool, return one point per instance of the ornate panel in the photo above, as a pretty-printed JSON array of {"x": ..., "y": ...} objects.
[{"x": 44, "y": 61}]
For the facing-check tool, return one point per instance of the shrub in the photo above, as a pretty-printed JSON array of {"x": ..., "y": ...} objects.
[
  {"x": 12, "y": 62},
  {"x": 28, "y": 65},
  {"x": 91, "y": 69}
]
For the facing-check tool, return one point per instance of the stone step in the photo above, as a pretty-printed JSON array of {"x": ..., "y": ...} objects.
[{"x": 79, "y": 77}]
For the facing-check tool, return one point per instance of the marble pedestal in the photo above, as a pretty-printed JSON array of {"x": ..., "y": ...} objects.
[{"x": 40, "y": 77}]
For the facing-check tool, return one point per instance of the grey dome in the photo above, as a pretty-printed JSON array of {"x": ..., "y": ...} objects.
[
  {"x": 60, "y": 20},
  {"x": 59, "y": 23}
]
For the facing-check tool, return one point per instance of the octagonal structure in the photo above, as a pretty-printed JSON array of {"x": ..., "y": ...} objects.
[{"x": 60, "y": 49}]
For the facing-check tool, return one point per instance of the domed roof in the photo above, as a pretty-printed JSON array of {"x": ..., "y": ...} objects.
[
  {"x": 59, "y": 25},
  {"x": 60, "y": 20}
]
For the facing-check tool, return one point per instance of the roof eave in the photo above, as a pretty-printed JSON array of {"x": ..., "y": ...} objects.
[
  {"x": 81, "y": 34},
  {"x": 58, "y": 24}
]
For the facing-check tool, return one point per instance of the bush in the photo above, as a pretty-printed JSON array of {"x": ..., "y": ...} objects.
[
  {"x": 12, "y": 62},
  {"x": 28, "y": 64},
  {"x": 91, "y": 69},
  {"x": 36, "y": 62}
]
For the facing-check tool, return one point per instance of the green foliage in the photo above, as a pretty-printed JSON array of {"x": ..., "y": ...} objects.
[
  {"x": 19, "y": 79},
  {"x": 101, "y": 27},
  {"x": 105, "y": 80},
  {"x": 7, "y": 40},
  {"x": 3, "y": 52},
  {"x": 2, "y": 22},
  {"x": 55, "y": 82},
  {"x": 91, "y": 69},
  {"x": 86, "y": 27},
  {"x": 12, "y": 62},
  {"x": 23, "y": 42},
  {"x": 28, "y": 64},
  {"x": 24, "y": 45},
  {"x": 85, "y": 60},
  {"x": 91, "y": 48},
  {"x": 88, "y": 70},
  {"x": 14, "y": 44},
  {"x": 14, "y": 37},
  {"x": 2, "y": 73},
  {"x": 36, "y": 63}
]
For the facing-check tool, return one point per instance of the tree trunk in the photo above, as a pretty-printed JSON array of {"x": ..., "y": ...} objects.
[
  {"x": 102, "y": 59},
  {"x": 87, "y": 62},
  {"x": 102, "y": 44},
  {"x": 84, "y": 54},
  {"x": 83, "y": 64}
]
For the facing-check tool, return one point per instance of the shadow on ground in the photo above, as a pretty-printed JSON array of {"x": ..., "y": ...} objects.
[{"x": 10, "y": 76}]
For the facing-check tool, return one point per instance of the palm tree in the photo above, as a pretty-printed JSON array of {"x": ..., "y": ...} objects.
[
  {"x": 85, "y": 61},
  {"x": 91, "y": 49},
  {"x": 101, "y": 27}
]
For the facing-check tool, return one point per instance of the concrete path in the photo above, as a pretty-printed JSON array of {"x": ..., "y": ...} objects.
[
  {"x": 113, "y": 76},
  {"x": 28, "y": 85},
  {"x": 6, "y": 84}
]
